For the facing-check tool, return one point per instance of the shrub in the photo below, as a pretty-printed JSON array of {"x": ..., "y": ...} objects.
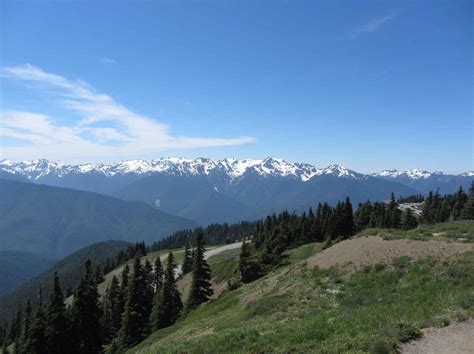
[{"x": 408, "y": 332}]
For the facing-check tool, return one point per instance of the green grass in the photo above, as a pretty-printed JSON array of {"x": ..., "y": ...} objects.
[
  {"x": 457, "y": 231},
  {"x": 297, "y": 309},
  {"x": 225, "y": 265}
]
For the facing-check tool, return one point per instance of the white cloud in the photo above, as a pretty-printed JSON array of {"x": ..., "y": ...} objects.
[
  {"x": 373, "y": 25},
  {"x": 106, "y": 129}
]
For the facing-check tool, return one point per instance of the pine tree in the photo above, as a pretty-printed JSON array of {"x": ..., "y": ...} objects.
[
  {"x": 347, "y": 228},
  {"x": 168, "y": 305},
  {"x": 15, "y": 325},
  {"x": 187, "y": 260},
  {"x": 99, "y": 274},
  {"x": 250, "y": 269},
  {"x": 86, "y": 313},
  {"x": 36, "y": 342},
  {"x": 150, "y": 289},
  {"x": 57, "y": 324},
  {"x": 158, "y": 276},
  {"x": 459, "y": 200},
  {"x": 409, "y": 220},
  {"x": 135, "y": 316},
  {"x": 124, "y": 287},
  {"x": 112, "y": 311},
  {"x": 26, "y": 327},
  {"x": 468, "y": 210},
  {"x": 201, "y": 287}
]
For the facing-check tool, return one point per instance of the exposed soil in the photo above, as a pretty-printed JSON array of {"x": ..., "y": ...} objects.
[
  {"x": 457, "y": 338},
  {"x": 351, "y": 255}
]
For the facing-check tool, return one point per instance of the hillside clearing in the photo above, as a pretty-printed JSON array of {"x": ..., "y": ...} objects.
[
  {"x": 457, "y": 338},
  {"x": 303, "y": 309},
  {"x": 351, "y": 255}
]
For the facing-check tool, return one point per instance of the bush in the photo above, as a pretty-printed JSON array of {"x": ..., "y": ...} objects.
[
  {"x": 408, "y": 332},
  {"x": 233, "y": 284},
  {"x": 381, "y": 347}
]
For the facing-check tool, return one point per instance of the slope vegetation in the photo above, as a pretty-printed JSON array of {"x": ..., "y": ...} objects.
[
  {"x": 58, "y": 221},
  {"x": 312, "y": 306}
]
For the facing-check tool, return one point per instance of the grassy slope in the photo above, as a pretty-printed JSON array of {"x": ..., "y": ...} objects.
[
  {"x": 296, "y": 308},
  {"x": 461, "y": 231}
]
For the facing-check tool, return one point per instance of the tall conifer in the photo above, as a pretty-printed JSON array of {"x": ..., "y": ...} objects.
[
  {"x": 57, "y": 323},
  {"x": 201, "y": 287}
]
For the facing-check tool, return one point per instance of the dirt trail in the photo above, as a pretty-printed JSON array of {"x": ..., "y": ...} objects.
[
  {"x": 457, "y": 338},
  {"x": 353, "y": 254}
]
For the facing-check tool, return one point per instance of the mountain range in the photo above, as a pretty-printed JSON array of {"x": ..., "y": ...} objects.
[{"x": 227, "y": 190}]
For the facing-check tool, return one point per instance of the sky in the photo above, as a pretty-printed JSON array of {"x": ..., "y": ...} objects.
[{"x": 369, "y": 85}]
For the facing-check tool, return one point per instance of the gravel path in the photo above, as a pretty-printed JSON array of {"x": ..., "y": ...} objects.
[{"x": 457, "y": 338}]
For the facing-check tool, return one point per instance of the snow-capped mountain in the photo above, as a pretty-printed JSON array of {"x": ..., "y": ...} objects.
[
  {"x": 412, "y": 174},
  {"x": 208, "y": 190},
  {"x": 233, "y": 168},
  {"x": 425, "y": 181}
]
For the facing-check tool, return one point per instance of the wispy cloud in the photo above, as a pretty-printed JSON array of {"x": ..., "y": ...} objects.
[
  {"x": 104, "y": 128},
  {"x": 107, "y": 60},
  {"x": 373, "y": 25}
]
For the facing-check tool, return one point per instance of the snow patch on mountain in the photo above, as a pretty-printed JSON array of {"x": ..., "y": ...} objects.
[{"x": 230, "y": 168}]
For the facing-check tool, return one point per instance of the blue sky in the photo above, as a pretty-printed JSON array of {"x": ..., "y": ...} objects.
[{"x": 365, "y": 84}]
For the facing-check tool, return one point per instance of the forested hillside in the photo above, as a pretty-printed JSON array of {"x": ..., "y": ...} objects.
[
  {"x": 16, "y": 267},
  {"x": 57, "y": 221}
]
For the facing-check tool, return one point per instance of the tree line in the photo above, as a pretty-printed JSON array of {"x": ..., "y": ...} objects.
[
  {"x": 146, "y": 298},
  {"x": 277, "y": 233},
  {"x": 214, "y": 234},
  {"x": 441, "y": 208}
]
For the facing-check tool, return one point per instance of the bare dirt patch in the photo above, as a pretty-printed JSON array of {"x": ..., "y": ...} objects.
[
  {"x": 457, "y": 338},
  {"x": 351, "y": 255}
]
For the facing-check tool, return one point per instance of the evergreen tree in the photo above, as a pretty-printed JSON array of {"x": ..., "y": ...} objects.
[
  {"x": 86, "y": 313},
  {"x": 249, "y": 267},
  {"x": 135, "y": 316},
  {"x": 36, "y": 342},
  {"x": 124, "y": 287},
  {"x": 158, "y": 276},
  {"x": 26, "y": 327},
  {"x": 187, "y": 260},
  {"x": 468, "y": 210},
  {"x": 150, "y": 288},
  {"x": 15, "y": 325},
  {"x": 112, "y": 311},
  {"x": 347, "y": 228},
  {"x": 99, "y": 274},
  {"x": 409, "y": 220},
  {"x": 57, "y": 324},
  {"x": 168, "y": 305},
  {"x": 459, "y": 200},
  {"x": 201, "y": 287}
]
